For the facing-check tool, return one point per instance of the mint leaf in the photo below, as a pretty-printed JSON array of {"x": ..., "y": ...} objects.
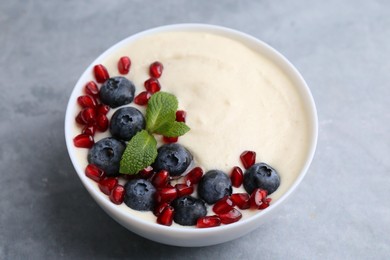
[
  {"x": 161, "y": 112},
  {"x": 175, "y": 129},
  {"x": 140, "y": 152}
]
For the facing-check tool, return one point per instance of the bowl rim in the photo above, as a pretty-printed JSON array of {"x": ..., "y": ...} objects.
[{"x": 271, "y": 53}]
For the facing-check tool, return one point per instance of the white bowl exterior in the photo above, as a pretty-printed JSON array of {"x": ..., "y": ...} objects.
[{"x": 192, "y": 237}]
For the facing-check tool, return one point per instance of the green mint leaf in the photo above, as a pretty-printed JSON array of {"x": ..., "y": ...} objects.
[
  {"x": 140, "y": 152},
  {"x": 161, "y": 112},
  {"x": 175, "y": 129}
]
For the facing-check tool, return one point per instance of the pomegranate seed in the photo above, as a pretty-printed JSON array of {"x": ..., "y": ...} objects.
[
  {"x": 169, "y": 140},
  {"x": 241, "y": 200},
  {"x": 117, "y": 194},
  {"x": 166, "y": 194},
  {"x": 83, "y": 141},
  {"x": 181, "y": 116},
  {"x": 124, "y": 64},
  {"x": 89, "y": 130},
  {"x": 166, "y": 216},
  {"x": 101, "y": 73},
  {"x": 86, "y": 101},
  {"x": 156, "y": 69},
  {"x": 160, "y": 179},
  {"x": 230, "y": 217},
  {"x": 248, "y": 158},
  {"x": 159, "y": 209},
  {"x": 107, "y": 184},
  {"x": 152, "y": 85},
  {"x": 223, "y": 205},
  {"x": 257, "y": 198},
  {"x": 236, "y": 176},
  {"x": 142, "y": 98},
  {"x": 91, "y": 89},
  {"x": 88, "y": 115},
  {"x": 102, "y": 122},
  {"x": 265, "y": 204},
  {"x": 93, "y": 172},
  {"x": 102, "y": 109},
  {"x": 145, "y": 173},
  {"x": 194, "y": 176},
  {"x": 208, "y": 221},
  {"x": 184, "y": 189},
  {"x": 79, "y": 119}
]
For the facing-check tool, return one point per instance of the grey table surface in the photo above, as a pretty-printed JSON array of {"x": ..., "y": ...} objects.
[{"x": 342, "y": 48}]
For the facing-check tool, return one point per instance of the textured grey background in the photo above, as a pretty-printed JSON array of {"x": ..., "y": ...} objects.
[{"x": 342, "y": 48}]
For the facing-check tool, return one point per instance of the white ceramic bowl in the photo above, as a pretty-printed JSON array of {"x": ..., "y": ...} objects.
[{"x": 185, "y": 236}]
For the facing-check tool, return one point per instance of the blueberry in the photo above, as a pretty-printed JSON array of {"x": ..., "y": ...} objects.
[
  {"x": 214, "y": 185},
  {"x": 126, "y": 122},
  {"x": 139, "y": 195},
  {"x": 172, "y": 157},
  {"x": 188, "y": 209},
  {"x": 107, "y": 154},
  {"x": 263, "y": 176},
  {"x": 117, "y": 91}
]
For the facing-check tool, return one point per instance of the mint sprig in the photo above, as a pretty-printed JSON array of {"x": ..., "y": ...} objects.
[{"x": 141, "y": 150}]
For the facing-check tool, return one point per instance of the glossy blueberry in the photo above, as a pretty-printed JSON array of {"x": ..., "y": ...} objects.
[
  {"x": 126, "y": 122},
  {"x": 172, "y": 157},
  {"x": 188, "y": 209},
  {"x": 214, "y": 185},
  {"x": 263, "y": 176},
  {"x": 106, "y": 154},
  {"x": 139, "y": 195},
  {"x": 117, "y": 91}
]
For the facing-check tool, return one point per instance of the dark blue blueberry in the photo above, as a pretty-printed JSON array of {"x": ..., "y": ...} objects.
[
  {"x": 188, "y": 209},
  {"x": 214, "y": 185},
  {"x": 263, "y": 176},
  {"x": 139, "y": 195},
  {"x": 117, "y": 91},
  {"x": 107, "y": 154},
  {"x": 126, "y": 122},
  {"x": 172, "y": 157}
]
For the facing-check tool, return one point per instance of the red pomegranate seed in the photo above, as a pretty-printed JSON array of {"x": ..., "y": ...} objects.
[
  {"x": 88, "y": 115},
  {"x": 102, "y": 109},
  {"x": 248, "y": 158},
  {"x": 230, "y": 217},
  {"x": 166, "y": 194},
  {"x": 194, "y": 176},
  {"x": 257, "y": 198},
  {"x": 107, "y": 184},
  {"x": 91, "y": 89},
  {"x": 146, "y": 172},
  {"x": 79, "y": 119},
  {"x": 241, "y": 200},
  {"x": 159, "y": 209},
  {"x": 181, "y": 116},
  {"x": 102, "y": 122},
  {"x": 236, "y": 176},
  {"x": 86, "y": 101},
  {"x": 160, "y": 179},
  {"x": 83, "y": 141},
  {"x": 169, "y": 140},
  {"x": 89, "y": 130},
  {"x": 124, "y": 64},
  {"x": 101, "y": 73},
  {"x": 223, "y": 205},
  {"x": 93, "y": 172},
  {"x": 208, "y": 221},
  {"x": 265, "y": 204},
  {"x": 152, "y": 85},
  {"x": 166, "y": 216},
  {"x": 142, "y": 98},
  {"x": 156, "y": 69},
  {"x": 117, "y": 194},
  {"x": 184, "y": 189}
]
